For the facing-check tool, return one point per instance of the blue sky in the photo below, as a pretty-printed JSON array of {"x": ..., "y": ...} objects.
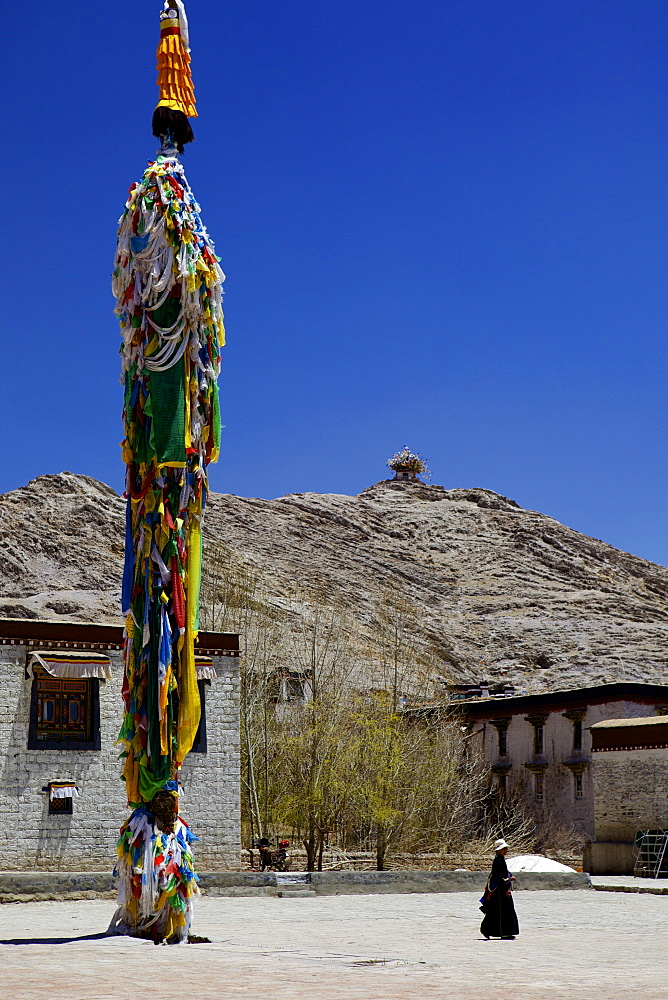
[{"x": 443, "y": 225}]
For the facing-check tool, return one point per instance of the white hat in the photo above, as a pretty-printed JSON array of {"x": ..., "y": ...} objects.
[{"x": 500, "y": 844}]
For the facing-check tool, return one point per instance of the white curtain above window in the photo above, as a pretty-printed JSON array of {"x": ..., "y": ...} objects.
[
  {"x": 70, "y": 664},
  {"x": 63, "y": 790},
  {"x": 204, "y": 668}
]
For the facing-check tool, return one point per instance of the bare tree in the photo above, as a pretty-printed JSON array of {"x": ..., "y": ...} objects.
[
  {"x": 313, "y": 755},
  {"x": 234, "y": 598},
  {"x": 344, "y": 759}
]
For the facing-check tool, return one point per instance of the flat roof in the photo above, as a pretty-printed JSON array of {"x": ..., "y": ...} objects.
[
  {"x": 645, "y": 720},
  {"x": 484, "y": 708},
  {"x": 90, "y": 635},
  {"x": 647, "y": 733}
]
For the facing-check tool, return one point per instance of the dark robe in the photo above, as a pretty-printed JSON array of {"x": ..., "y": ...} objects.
[{"x": 500, "y": 917}]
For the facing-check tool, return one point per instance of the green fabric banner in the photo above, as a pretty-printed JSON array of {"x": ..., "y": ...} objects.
[{"x": 168, "y": 408}]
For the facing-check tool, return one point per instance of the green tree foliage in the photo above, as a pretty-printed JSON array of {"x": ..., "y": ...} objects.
[{"x": 416, "y": 785}]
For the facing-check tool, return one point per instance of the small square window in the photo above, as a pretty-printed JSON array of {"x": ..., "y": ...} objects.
[
  {"x": 61, "y": 794},
  {"x": 60, "y": 807},
  {"x": 294, "y": 689}
]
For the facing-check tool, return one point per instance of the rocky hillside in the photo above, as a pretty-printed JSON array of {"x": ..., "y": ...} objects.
[{"x": 493, "y": 590}]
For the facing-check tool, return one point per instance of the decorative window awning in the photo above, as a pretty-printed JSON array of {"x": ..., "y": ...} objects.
[
  {"x": 205, "y": 669},
  {"x": 69, "y": 664},
  {"x": 63, "y": 790}
]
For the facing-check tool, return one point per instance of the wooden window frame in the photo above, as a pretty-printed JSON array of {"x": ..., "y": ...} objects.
[
  {"x": 94, "y": 743},
  {"x": 61, "y": 810}
]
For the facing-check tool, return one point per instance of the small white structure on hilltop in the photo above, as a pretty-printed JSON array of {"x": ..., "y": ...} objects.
[{"x": 408, "y": 465}]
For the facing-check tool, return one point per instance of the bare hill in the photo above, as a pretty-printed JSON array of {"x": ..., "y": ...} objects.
[{"x": 496, "y": 590}]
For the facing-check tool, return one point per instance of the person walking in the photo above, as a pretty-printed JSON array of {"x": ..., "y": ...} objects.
[{"x": 500, "y": 918}]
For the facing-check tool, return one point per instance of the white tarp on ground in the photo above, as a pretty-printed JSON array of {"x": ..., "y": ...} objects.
[{"x": 535, "y": 863}]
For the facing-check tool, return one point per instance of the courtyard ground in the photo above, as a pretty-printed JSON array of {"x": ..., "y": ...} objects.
[{"x": 580, "y": 945}]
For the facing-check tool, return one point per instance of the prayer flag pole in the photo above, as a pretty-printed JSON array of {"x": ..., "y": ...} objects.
[{"x": 168, "y": 287}]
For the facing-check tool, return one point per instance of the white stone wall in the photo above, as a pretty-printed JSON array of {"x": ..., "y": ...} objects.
[
  {"x": 211, "y": 802},
  {"x": 630, "y": 793},
  {"x": 559, "y": 807},
  {"x": 85, "y": 841}
]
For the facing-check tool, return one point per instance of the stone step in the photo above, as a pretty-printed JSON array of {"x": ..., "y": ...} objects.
[
  {"x": 293, "y": 878},
  {"x": 652, "y": 890},
  {"x": 295, "y": 893}
]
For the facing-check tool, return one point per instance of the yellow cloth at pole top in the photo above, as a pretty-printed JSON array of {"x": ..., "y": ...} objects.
[{"x": 174, "y": 75}]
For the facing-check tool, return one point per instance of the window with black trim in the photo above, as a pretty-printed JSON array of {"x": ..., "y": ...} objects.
[
  {"x": 60, "y": 807},
  {"x": 501, "y": 726},
  {"x": 199, "y": 745},
  {"x": 538, "y": 786},
  {"x": 294, "y": 689},
  {"x": 538, "y": 740},
  {"x": 64, "y": 713}
]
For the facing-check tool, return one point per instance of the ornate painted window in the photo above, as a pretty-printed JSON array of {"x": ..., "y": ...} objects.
[{"x": 64, "y": 713}]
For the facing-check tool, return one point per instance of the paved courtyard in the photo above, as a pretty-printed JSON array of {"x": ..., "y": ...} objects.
[{"x": 581, "y": 945}]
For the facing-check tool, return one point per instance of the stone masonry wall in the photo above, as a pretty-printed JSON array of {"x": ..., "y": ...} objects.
[
  {"x": 629, "y": 793},
  {"x": 560, "y": 806},
  {"x": 32, "y": 839},
  {"x": 210, "y": 780}
]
